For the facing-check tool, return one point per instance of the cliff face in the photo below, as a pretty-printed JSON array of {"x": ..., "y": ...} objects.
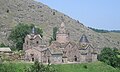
[{"x": 13, "y": 12}]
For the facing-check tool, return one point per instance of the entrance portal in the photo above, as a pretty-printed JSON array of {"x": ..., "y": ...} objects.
[
  {"x": 32, "y": 59},
  {"x": 75, "y": 57}
]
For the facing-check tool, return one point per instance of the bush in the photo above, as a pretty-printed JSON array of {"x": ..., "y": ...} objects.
[
  {"x": 109, "y": 56},
  {"x": 85, "y": 66}
]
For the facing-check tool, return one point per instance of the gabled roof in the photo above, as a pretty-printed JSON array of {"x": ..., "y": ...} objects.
[
  {"x": 72, "y": 43},
  {"x": 55, "y": 48},
  {"x": 38, "y": 49},
  {"x": 5, "y": 49},
  {"x": 60, "y": 45},
  {"x": 56, "y": 51},
  {"x": 33, "y": 36},
  {"x": 87, "y": 46},
  {"x": 84, "y": 39}
]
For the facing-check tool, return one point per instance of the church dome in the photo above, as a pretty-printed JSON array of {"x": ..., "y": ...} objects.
[{"x": 84, "y": 39}]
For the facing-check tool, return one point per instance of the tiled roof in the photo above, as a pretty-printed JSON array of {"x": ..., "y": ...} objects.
[
  {"x": 56, "y": 47},
  {"x": 33, "y": 36},
  {"x": 84, "y": 39},
  {"x": 38, "y": 49},
  {"x": 56, "y": 51}
]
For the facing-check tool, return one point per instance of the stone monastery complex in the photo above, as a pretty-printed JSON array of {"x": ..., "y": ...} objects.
[{"x": 60, "y": 51}]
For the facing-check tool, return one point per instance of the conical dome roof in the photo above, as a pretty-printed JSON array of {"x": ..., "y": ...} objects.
[
  {"x": 62, "y": 28},
  {"x": 62, "y": 24},
  {"x": 84, "y": 39}
]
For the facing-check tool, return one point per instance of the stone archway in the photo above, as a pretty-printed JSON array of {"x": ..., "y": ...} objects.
[
  {"x": 48, "y": 60},
  {"x": 75, "y": 58},
  {"x": 33, "y": 59}
]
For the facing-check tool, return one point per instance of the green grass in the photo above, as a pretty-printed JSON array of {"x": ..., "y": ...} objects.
[
  {"x": 118, "y": 56},
  {"x": 84, "y": 67},
  {"x": 15, "y": 66}
]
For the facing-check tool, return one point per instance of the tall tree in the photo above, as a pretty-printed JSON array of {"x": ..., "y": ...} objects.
[
  {"x": 55, "y": 29},
  {"x": 53, "y": 38}
]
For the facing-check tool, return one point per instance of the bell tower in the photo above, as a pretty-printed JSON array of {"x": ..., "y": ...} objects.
[{"x": 62, "y": 35}]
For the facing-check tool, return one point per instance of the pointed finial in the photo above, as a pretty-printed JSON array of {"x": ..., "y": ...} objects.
[
  {"x": 62, "y": 24},
  {"x": 33, "y": 30}
]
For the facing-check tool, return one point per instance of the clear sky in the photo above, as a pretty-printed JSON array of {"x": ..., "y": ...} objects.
[{"x": 101, "y": 14}]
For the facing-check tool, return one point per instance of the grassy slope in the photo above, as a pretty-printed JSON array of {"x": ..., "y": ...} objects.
[
  {"x": 16, "y": 66},
  {"x": 91, "y": 67}
]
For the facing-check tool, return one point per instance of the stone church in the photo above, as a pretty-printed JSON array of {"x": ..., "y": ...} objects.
[{"x": 60, "y": 51}]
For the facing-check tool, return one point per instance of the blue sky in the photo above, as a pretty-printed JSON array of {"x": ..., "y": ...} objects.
[{"x": 101, "y": 14}]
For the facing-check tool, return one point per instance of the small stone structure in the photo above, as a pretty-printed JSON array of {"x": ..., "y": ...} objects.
[
  {"x": 60, "y": 51},
  {"x": 5, "y": 50}
]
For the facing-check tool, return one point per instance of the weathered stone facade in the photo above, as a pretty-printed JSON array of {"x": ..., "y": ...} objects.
[{"x": 60, "y": 51}]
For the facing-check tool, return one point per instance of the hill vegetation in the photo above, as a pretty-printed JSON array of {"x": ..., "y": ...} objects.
[{"x": 104, "y": 31}]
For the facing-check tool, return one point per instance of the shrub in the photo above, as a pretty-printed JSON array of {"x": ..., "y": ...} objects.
[
  {"x": 109, "y": 56},
  {"x": 85, "y": 66}
]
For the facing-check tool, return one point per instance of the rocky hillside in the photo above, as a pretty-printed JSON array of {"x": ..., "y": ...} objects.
[{"x": 13, "y": 12}]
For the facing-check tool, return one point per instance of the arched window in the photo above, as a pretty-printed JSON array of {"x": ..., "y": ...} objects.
[{"x": 37, "y": 42}]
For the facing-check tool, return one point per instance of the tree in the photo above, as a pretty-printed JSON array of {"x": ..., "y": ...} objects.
[
  {"x": 55, "y": 29},
  {"x": 53, "y": 38},
  {"x": 109, "y": 56},
  {"x": 19, "y": 32},
  {"x": 99, "y": 30},
  {"x": 116, "y": 51}
]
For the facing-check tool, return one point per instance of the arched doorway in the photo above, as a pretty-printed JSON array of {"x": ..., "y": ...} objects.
[
  {"x": 32, "y": 59},
  {"x": 49, "y": 60},
  {"x": 75, "y": 58}
]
